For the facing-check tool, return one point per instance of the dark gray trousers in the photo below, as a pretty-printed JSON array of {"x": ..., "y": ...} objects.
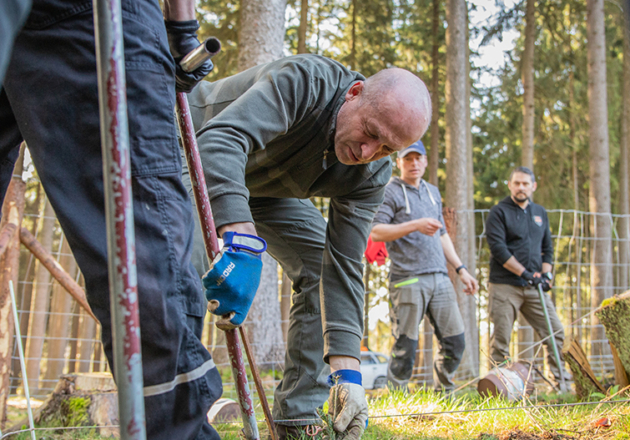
[{"x": 433, "y": 295}]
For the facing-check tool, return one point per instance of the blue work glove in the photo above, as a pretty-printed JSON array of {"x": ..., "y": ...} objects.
[
  {"x": 234, "y": 276},
  {"x": 347, "y": 405},
  {"x": 182, "y": 39}
]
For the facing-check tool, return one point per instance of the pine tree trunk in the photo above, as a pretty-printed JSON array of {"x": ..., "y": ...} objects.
[
  {"x": 60, "y": 319},
  {"x": 12, "y": 210},
  {"x": 471, "y": 263},
  {"x": 528, "y": 86},
  {"x": 303, "y": 27},
  {"x": 261, "y": 37},
  {"x": 457, "y": 109},
  {"x": 599, "y": 202},
  {"x": 87, "y": 334},
  {"x": 353, "y": 46},
  {"x": 39, "y": 303},
  {"x": 624, "y": 169},
  {"x": 434, "y": 151},
  {"x": 263, "y": 22}
]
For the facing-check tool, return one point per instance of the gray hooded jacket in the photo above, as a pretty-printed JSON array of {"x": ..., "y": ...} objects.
[{"x": 415, "y": 253}]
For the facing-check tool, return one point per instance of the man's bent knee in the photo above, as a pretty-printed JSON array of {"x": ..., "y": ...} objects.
[{"x": 403, "y": 357}]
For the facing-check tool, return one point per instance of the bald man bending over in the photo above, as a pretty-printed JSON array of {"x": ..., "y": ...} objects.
[{"x": 270, "y": 138}]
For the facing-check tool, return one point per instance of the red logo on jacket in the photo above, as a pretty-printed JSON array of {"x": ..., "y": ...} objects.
[{"x": 538, "y": 220}]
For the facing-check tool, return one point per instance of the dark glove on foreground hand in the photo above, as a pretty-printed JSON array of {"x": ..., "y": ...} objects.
[
  {"x": 531, "y": 279},
  {"x": 234, "y": 276},
  {"x": 546, "y": 284},
  {"x": 347, "y": 405},
  {"x": 182, "y": 39}
]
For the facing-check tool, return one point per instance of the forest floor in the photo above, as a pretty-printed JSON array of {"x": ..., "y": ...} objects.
[{"x": 425, "y": 415}]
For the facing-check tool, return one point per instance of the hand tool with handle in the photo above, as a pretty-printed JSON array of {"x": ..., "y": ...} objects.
[
  {"x": 552, "y": 338},
  {"x": 190, "y": 62}
]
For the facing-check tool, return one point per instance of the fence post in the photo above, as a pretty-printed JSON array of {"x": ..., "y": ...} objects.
[
  {"x": 121, "y": 245},
  {"x": 12, "y": 211}
]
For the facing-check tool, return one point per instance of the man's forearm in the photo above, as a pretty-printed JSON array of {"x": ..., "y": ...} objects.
[
  {"x": 546, "y": 267},
  {"x": 391, "y": 232},
  {"x": 241, "y": 228},
  {"x": 179, "y": 10},
  {"x": 449, "y": 251},
  {"x": 514, "y": 266}
]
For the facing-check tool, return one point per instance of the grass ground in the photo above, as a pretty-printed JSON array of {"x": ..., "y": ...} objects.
[
  {"x": 419, "y": 421},
  {"x": 398, "y": 416}
]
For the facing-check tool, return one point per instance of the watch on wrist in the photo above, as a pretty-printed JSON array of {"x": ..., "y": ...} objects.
[{"x": 460, "y": 268}]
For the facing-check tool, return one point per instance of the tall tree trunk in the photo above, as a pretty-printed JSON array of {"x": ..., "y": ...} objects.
[
  {"x": 60, "y": 319},
  {"x": 74, "y": 335},
  {"x": 261, "y": 37},
  {"x": 87, "y": 335},
  {"x": 353, "y": 43},
  {"x": 599, "y": 198},
  {"x": 263, "y": 21},
  {"x": 471, "y": 263},
  {"x": 527, "y": 69},
  {"x": 457, "y": 109},
  {"x": 13, "y": 201},
  {"x": 39, "y": 303},
  {"x": 624, "y": 181},
  {"x": 434, "y": 151},
  {"x": 303, "y": 27}
]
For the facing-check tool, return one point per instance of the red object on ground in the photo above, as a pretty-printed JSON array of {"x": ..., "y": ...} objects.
[{"x": 376, "y": 251}]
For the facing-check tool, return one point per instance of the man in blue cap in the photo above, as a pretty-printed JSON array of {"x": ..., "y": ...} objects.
[{"x": 410, "y": 223}]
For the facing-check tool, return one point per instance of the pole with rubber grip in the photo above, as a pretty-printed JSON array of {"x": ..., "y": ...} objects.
[{"x": 552, "y": 338}]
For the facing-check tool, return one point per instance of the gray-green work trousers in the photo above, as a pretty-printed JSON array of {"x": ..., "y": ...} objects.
[
  {"x": 295, "y": 232},
  {"x": 505, "y": 303},
  {"x": 433, "y": 295}
]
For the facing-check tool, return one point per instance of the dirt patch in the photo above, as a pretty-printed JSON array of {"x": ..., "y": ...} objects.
[{"x": 517, "y": 434}]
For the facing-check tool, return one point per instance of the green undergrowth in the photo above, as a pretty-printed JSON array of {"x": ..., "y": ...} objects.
[{"x": 399, "y": 416}]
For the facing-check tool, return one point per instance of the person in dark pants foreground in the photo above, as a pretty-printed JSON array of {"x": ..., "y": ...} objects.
[
  {"x": 270, "y": 138},
  {"x": 522, "y": 254},
  {"x": 50, "y": 99},
  {"x": 410, "y": 222}
]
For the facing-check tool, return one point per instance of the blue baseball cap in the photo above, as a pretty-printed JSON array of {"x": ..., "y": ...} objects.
[{"x": 416, "y": 147}]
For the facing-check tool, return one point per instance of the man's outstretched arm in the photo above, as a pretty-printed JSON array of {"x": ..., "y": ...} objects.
[{"x": 472, "y": 286}]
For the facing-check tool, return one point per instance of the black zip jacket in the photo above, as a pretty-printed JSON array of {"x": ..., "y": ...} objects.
[{"x": 522, "y": 233}]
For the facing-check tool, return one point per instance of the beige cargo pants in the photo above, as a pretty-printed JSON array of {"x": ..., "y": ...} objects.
[{"x": 505, "y": 303}]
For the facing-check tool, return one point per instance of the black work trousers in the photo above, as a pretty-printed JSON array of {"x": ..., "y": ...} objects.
[{"x": 50, "y": 99}]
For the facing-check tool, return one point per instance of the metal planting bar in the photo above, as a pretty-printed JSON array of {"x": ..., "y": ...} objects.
[
  {"x": 200, "y": 190},
  {"x": 121, "y": 246},
  {"x": 552, "y": 340}
]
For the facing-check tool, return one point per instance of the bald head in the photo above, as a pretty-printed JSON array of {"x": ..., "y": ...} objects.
[
  {"x": 400, "y": 89},
  {"x": 381, "y": 115}
]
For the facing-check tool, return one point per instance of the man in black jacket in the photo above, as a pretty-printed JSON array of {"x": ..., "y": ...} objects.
[{"x": 522, "y": 254}]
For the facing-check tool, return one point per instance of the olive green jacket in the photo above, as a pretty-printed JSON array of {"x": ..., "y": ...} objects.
[{"x": 269, "y": 132}]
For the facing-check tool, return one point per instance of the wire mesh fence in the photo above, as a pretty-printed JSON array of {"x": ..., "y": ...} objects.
[{"x": 61, "y": 338}]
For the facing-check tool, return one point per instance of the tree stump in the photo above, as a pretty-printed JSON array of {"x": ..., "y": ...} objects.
[
  {"x": 85, "y": 399},
  {"x": 614, "y": 314},
  {"x": 585, "y": 381}
]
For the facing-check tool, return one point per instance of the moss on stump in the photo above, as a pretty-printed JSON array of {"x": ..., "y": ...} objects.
[{"x": 614, "y": 314}]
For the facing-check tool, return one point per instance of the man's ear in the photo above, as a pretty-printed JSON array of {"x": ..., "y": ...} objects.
[
  {"x": 534, "y": 186},
  {"x": 355, "y": 90}
]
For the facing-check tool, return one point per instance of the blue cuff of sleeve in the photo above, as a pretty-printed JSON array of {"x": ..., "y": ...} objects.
[{"x": 345, "y": 376}]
